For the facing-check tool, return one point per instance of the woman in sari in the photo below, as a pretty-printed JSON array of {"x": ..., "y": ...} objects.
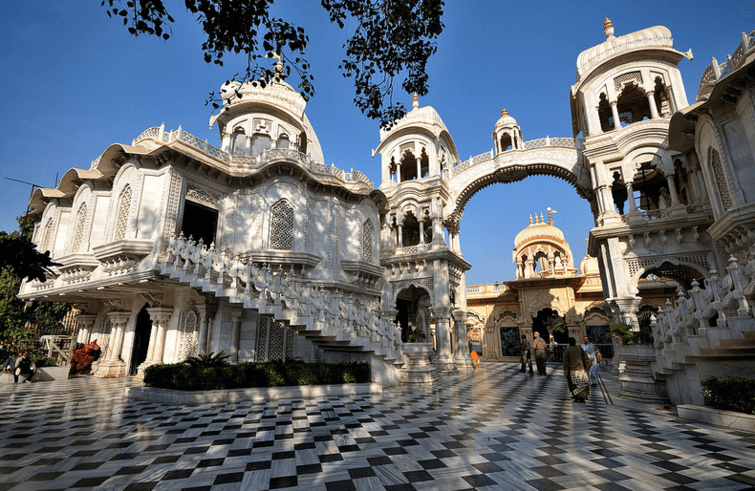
[{"x": 575, "y": 371}]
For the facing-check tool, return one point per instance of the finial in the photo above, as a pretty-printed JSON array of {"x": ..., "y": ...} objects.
[
  {"x": 542, "y": 220},
  {"x": 608, "y": 28},
  {"x": 415, "y": 101},
  {"x": 504, "y": 113},
  {"x": 531, "y": 218}
]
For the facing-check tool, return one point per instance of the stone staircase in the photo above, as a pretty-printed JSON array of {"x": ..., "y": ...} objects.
[{"x": 329, "y": 318}]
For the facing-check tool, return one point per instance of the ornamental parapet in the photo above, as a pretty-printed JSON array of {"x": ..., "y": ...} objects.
[
  {"x": 158, "y": 134},
  {"x": 716, "y": 71}
]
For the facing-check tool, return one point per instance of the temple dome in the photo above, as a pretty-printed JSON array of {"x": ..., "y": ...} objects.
[
  {"x": 505, "y": 121},
  {"x": 589, "y": 265},
  {"x": 539, "y": 229}
]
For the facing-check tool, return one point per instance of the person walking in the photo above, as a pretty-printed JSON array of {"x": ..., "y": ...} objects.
[
  {"x": 526, "y": 354},
  {"x": 591, "y": 351},
  {"x": 24, "y": 366},
  {"x": 538, "y": 346},
  {"x": 575, "y": 371}
]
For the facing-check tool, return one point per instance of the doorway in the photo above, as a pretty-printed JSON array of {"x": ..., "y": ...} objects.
[{"x": 142, "y": 332}]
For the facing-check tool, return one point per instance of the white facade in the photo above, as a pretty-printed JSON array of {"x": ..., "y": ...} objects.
[{"x": 172, "y": 246}]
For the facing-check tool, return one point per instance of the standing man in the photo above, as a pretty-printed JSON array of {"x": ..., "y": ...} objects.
[
  {"x": 591, "y": 352},
  {"x": 538, "y": 346},
  {"x": 526, "y": 354}
]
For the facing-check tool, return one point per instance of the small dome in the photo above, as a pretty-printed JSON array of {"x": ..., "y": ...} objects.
[
  {"x": 539, "y": 230},
  {"x": 589, "y": 265},
  {"x": 505, "y": 121}
]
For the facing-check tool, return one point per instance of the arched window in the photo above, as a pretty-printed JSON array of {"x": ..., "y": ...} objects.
[
  {"x": 282, "y": 226},
  {"x": 124, "y": 207},
  {"x": 368, "y": 232},
  {"x": 260, "y": 143},
  {"x": 506, "y": 142},
  {"x": 79, "y": 232},
  {"x": 604, "y": 114},
  {"x": 283, "y": 142},
  {"x": 718, "y": 174},
  {"x": 408, "y": 166},
  {"x": 632, "y": 104},
  {"x": 48, "y": 236},
  {"x": 238, "y": 143}
]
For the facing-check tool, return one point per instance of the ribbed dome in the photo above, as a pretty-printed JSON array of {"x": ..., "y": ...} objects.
[
  {"x": 539, "y": 230},
  {"x": 650, "y": 38},
  {"x": 589, "y": 265},
  {"x": 505, "y": 121}
]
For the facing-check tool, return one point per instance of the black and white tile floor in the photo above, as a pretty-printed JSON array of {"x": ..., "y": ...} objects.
[{"x": 491, "y": 429}]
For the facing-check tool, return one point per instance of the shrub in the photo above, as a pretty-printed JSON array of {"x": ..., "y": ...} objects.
[
  {"x": 627, "y": 336},
  {"x": 199, "y": 376},
  {"x": 733, "y": 394}
]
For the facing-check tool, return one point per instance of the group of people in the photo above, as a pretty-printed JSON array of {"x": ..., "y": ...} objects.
[
  {"x": 580, "y": 363},
  {"x": 23, "y": 367}
]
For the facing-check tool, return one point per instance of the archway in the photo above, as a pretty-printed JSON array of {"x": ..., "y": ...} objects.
[
  {"x": 142, "y": 332},
  {"x": 413, "y": 305},
  {"x": 547, "y": 322}
]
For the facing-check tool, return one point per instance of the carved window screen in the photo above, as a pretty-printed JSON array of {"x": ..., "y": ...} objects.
[
  {"x": 124, "y": 209},
  {"x": 368, "y": 231},
  {"x": 189, "y": 333},
  {"x": 78, "y": 237},
  {"x": 48, "y": 235},
  {"x": 720, "y": 177},
  {"x": 282, "y": 226}
]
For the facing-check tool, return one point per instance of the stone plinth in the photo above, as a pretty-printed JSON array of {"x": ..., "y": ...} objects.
[
  {"x": 419, "y": 370},
  {"x": 109, "y": 368},
  {"x": 636, "y": 380}
]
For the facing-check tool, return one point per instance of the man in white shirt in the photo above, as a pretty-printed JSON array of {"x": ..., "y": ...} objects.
[{"x": 591, "y": 351}]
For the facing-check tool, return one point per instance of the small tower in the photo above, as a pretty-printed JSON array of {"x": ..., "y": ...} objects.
[{"x": 507, "y": 135}]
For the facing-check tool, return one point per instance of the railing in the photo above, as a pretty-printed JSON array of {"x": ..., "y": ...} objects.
[
  {"x": 158, "y": 133},
  {"x": 539, "y": 143},
  {"x": 699, "y": 309},
  {"x": 257, "y": 281},
  {"x": 716, "y": 71}
]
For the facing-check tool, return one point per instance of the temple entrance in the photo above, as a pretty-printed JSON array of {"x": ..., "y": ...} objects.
[
  {"x": 413, "y": 305},
  {"x": 142, "y": 333},
  {"x": 547, "y": 322},
  {"x": 511, "y": 341}
]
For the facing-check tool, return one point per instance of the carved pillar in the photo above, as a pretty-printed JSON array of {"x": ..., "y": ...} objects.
[
  {"x": 653, "y": 107},
  {"x": 235, "y": 335},
  {"x": 419, "y": 168},
  {"x": 160, "y": 317},
  {"x": 672, "y": 190},
  {"x": 118, "y": 320},
  {"x": 398, "y": 172},
  {"x": 400, "y": 236},
  {"x": 206, "y": 312},
  {"x": 421, "y": 232},
  {"x": 630, "y": 195},
  {"x": 615, "y": 113},
  {"x": 462, "y": 357},
  {"x": 86, "y": 323}
]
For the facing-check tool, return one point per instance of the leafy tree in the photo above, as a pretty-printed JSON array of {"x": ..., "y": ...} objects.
[
  {"x": 20, "y": 320},
  {"x": 392, "y": 38}
]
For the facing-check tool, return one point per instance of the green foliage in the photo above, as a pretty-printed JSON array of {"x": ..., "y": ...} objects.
[
  {"x": 208, "y": 361},
  {"x": 732, "y": 394},
  {"x": 390, "y": 40},
  {"x": 42, "y": 361},
  {"x": 182, "y": 376},
  {"x": 627, "y": 336}
]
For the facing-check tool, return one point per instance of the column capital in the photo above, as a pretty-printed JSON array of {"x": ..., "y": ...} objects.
[
  {"x": 160, "y": 314},
  {"x": 86, "y": 320},
  {"x": 118, "y": 318}
]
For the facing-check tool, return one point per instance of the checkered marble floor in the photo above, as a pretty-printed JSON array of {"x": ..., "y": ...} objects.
[{"x": 493, "y": 428}]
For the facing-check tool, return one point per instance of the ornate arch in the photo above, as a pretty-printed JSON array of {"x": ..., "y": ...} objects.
[{"x": 188, "y": 331}]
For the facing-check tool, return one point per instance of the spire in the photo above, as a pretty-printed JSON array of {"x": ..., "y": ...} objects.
[
  {"x": 531, "y": 218},
  {"x": 504, "y": 113},
  {"x": 608, "y": 28},
  {"x": 542, "y": 220},
  {"x": 415, "y": 101}
]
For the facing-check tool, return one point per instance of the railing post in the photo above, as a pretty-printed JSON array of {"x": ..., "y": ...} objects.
[{"x": 161, "y": 135}]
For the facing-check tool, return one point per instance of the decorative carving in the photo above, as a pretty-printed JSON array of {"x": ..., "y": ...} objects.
[{"x": 202, "y": 196}]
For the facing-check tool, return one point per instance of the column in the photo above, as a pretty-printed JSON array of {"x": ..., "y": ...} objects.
[
  {"x": 118, "y": 321},
  {"x": 86, "y": 323},
  {"x": 205, "y": 311},
  {"x": 160, "y": 317},
  {"x": 443, "y": 332},
  {"x": 419, "y": 168},
  {"x": 630, "y": 196},
  {"x": 235, "y": 335},
  {"x": 421, "y": 232},
  {"x": 672, "y": 190},
  {"x": 400, "y": 236},
  {"x": 615, "y": 113},
  {"x": 398, "y": 172},
  {"x": 653, "y": 107}
]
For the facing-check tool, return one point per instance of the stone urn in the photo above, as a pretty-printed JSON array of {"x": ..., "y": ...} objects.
[
  {"x": 418, "y": 369},
  {"x": 636, "y": 381}
]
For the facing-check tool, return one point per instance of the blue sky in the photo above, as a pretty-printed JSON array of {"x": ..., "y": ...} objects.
[{"x": 75, "y": 82}]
